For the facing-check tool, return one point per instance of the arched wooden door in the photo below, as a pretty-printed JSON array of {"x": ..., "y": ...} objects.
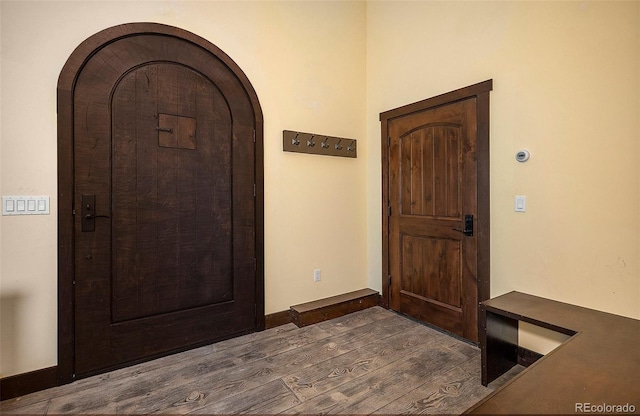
[{"x": 160, "y": 204}]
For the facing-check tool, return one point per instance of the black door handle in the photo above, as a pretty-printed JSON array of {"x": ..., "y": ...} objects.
[
  {"x": 468, "y": 226},
  {"x": 91, "y": 216}
]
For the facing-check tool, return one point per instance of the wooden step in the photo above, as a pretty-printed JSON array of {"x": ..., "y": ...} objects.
[{"x": 333, "y": 307}]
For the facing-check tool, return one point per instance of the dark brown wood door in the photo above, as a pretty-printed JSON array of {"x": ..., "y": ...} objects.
[
  {"x": 164, "y": 160},
  {"x": 432, "y": 188}
]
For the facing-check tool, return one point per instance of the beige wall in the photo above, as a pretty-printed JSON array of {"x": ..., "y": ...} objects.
[
  {"x": 566, "y": 86},
  {"x": 307, "y": 64}
]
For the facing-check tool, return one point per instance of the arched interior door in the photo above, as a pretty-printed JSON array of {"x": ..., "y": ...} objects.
[{"x": 165, "y": 163}]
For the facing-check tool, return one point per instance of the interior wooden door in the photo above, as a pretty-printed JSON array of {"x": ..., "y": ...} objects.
[
  {"x": 164, "y": 195},
  {"x": 433, "y": 216}
]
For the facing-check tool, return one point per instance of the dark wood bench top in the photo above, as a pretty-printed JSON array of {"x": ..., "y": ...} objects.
[
  {"x": 321, "y": 310},
  {"x": 599, "y": 364}
]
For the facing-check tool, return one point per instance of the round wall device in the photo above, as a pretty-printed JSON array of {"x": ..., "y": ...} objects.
[{"x": 522, "y": 155}]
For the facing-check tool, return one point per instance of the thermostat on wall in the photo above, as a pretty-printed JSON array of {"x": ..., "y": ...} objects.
[{"x": 522, "y": 155}]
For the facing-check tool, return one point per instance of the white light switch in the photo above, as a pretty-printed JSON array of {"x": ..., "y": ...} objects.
[
  {"x": 25, "y": 205},
  {"x": 521, "y": 203}
]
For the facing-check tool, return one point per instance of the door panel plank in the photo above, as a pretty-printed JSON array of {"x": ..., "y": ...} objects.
[
  {"x": 454, "y": 161},
  {"x": 406, "y": 152},
  {"x": 416, "y": 174},
  {"x": 124, "y": 209},
  {"x": 428, "y": 171},
  {"x": 440, "y": 182}
]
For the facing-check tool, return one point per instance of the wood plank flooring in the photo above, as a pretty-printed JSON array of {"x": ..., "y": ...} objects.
[{"x": 369, "y": 362}]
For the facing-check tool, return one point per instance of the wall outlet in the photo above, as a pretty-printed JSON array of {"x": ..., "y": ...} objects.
[{"x": 317, "y": 275}]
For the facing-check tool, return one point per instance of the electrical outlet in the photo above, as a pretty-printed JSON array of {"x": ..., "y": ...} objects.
[{"x": 316, "y": 275}]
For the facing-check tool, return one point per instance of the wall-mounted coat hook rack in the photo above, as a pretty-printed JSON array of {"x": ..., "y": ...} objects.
[{"x": 329, "y": 146}]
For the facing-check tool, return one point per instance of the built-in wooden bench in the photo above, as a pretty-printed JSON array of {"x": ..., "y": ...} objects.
[
  {"x": 333, "y": 307},
  {"x": 324, "y": 309},
  {"x": 599, "y": 365}
]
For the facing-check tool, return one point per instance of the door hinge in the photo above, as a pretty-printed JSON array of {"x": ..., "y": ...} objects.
[
  {"x": 254, "y": 136},
  {"x": 73, "y": 212},
  {"x": 388, "y": 210},
  {"x": 254, "y": 190},
  {"x": 389, "y": 280},
  {"x": 388, "y": 141},
  {"x": 255, "y": 264}
]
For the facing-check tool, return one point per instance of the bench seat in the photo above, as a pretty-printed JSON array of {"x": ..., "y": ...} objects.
[{"x": 598, "y": 365}]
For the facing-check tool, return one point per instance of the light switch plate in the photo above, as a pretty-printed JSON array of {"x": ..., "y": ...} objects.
[
  {"x": 25, "y": 205},
  {"x": 521, "y": 203}
]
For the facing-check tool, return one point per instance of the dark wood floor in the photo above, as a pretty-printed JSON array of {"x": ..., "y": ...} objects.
[{"x": 370, "y": 362}]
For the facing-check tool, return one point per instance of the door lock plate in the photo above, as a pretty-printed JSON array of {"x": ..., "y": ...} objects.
[{"x": 88, "y": 213}]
